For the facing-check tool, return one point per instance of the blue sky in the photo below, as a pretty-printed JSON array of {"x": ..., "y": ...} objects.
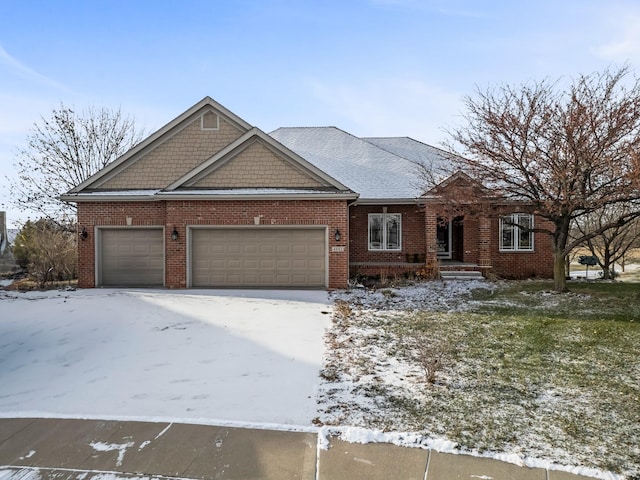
[{"x": 371, "y": 67}]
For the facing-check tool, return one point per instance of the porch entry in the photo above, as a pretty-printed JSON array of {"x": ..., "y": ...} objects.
[{"x": 450, "y": 239}]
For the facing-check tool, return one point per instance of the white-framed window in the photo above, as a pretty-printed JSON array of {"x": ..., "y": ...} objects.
[
  {"x": 516, "y": 232},
  {"x": 385, "y": 231}
]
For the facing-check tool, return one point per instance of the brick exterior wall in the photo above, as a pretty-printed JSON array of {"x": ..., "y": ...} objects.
[
  {"x": 181, "y": 214},
  {"x": 516, "y": 265},
  {"x": 480, "y": 244},
  {"x": 413, "y": 240}
]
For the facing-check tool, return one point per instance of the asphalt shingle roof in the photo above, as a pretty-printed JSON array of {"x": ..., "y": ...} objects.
[{"x": 376, "y": 168}]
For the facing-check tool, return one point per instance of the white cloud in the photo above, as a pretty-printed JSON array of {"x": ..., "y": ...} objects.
[
  {"x": 17, "y": 68},
  {"x": 624, "y": 37},
  {"x": 392, "y": 107}
]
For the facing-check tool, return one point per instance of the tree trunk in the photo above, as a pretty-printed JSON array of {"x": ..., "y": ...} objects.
[
  {"x": 560, "y": 237},
  {"x": 559, "y": 278}
]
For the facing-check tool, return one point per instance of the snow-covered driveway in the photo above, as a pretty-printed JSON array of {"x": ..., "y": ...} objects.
[{"x": 196, "y": 355}]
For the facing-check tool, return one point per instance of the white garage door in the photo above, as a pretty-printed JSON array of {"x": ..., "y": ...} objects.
[
  {"x": 131, "y": 257},
  {"x": 258, "y": 258}
]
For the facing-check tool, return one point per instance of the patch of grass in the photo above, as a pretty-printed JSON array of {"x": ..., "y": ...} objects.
[
  {"x": 527, "y": 371},
  {"x": 585, "y": 300},
  {"x": 27, "y": 284}
]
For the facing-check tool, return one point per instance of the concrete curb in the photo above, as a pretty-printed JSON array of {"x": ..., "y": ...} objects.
[{"x": 68, "y": 449}]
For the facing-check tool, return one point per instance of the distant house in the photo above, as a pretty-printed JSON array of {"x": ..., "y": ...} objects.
[
  {"x": 7, "y": 236},
  {"x": 4, "y": 238},
  {"x": 211, "y": 201}
]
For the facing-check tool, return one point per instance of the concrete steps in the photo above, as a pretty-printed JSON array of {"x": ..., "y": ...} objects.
[{"x": 461, "y": 275}]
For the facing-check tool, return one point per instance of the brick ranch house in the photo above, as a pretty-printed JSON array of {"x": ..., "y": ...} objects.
[{"x": 211, "y": 201}]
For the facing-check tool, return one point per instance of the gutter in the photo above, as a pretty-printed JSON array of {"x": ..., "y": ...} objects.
[{"x": 185, "y": 196}]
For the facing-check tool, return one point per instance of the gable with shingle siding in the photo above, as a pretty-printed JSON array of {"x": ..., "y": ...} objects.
[
  {"x": 257, "y": 167},
  {"x": 175, "y": 157}
]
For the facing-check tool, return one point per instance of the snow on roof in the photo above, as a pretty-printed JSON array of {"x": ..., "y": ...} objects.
[
  {"x": 367, "y": 169},
  {"x": 209, "y": 192},
  {"x": 104, "y": 193},
  {"x": 416, "y": 151},
  {"x": 251, "y": 191}
]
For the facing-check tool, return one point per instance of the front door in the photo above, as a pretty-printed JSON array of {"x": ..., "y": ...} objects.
[
  {"x": 444, "y": 239},
  {"x": 450, "y": 239}
]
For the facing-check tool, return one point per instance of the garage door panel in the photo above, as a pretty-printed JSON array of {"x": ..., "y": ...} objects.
[
  {"x": 258, "y": 258},
  {"x": 131, "y": 257}
]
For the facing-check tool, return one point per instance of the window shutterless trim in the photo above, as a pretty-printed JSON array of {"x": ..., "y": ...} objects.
[
  {"x": 384, "y": 240},
  {"x": 516, "y": 232}
]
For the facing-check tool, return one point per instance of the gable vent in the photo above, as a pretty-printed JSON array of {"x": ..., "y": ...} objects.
[{"x": 210, "y": 121}]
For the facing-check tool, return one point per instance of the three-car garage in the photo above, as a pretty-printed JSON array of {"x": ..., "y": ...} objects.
[{"x": 217, "y": 257}]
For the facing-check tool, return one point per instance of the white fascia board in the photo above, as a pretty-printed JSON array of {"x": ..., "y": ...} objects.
[
  {"x": 79, "y": 198},
  {"x": 259, "y": 196}
]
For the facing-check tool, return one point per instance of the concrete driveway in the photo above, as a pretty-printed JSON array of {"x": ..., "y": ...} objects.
[{"x": 229, "y": 356}]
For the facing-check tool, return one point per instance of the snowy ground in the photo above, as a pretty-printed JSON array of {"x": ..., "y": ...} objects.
[
  {"x": 218, "y": 357},
  {"x": 229, "y": 356},
  {"x": 373, "y": 379}
]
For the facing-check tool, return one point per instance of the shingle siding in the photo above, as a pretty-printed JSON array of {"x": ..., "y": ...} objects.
[
  {"x": 174, "y": 158},
  {"x": 257, "y": 167}
]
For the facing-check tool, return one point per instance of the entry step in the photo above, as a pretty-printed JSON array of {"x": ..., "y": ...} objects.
[{"x": 461, "y": 275}]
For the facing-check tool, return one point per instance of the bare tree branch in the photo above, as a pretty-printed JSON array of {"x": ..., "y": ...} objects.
[
  {"x": 64, "y": 150},
  {"x": 567, "y": 152}
]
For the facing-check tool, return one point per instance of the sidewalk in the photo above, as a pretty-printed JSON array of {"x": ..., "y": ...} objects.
[{"x": 63, "y": 449}]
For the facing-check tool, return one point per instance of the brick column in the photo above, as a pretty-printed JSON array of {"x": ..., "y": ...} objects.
[
  {"x": 431, "y": 243},
  {"x": 484, "y": 242}
]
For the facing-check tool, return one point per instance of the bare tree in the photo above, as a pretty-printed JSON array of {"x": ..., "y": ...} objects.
[
  {"x": 567, "y": 152},
  {"x": 64, "y": 150},
  {"x": 610, "y": 246}
]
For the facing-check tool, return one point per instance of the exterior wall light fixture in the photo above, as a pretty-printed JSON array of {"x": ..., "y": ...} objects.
[
  {"x": 174, "y": 234},
  {"x": 84, "y": 234},
  {"x": 337, "y": 235}
]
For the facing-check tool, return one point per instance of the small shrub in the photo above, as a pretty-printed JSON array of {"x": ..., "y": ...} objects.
[
  {"x": 342, "y": 309},
  {"x": 428, "y": 353}
]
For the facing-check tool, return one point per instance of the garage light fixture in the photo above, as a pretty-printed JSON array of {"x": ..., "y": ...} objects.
[
  {"x": 174, "y": 234},
  {"x": 84, "y": 234},
  {"x": 337, "y": 235}
]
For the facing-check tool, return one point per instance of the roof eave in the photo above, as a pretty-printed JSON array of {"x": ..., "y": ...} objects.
[
  {"x": 80, "y": 198},
  {"x": 387, "y": 201}
]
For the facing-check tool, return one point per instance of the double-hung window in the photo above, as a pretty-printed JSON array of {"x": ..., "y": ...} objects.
[
  {"x": 516, "y": 233},
  {"x": 385, "y": 231}
]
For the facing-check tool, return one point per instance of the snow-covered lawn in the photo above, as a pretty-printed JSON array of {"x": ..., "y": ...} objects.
[
  {"x": 526, "y": 376},
  {"x": 200, "y": 355},
  {"x": 547, "y": 391}
]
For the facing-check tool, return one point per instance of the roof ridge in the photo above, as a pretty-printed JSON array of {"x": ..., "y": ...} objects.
[
  {"x": 307, "y": 128},
  {"x": 445, "y": 153}
]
